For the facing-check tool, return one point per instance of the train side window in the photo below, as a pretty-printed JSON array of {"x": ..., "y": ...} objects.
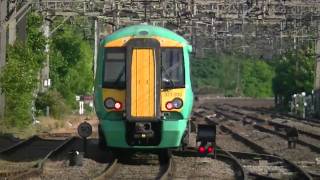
[
  {"x": 115, "y": 68},
  {"x": 172, "y": 68}
]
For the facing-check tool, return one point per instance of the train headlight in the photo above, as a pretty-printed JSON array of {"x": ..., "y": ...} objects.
[
  {"x": 169, "y": 105},
  {"x": 177, "y": 103},
  {"x": 118, "y": 105},
  {"x": 109, "y": 103}
]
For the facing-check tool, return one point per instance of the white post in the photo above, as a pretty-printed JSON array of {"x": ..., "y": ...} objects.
[{"x": 81, "y": 110}]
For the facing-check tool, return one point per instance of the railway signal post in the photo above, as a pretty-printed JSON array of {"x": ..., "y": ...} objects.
[
  {"x": 85, "y": 130},
  {"x": 206, "y": 139}
]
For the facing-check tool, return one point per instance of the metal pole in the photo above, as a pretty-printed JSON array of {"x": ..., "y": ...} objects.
[
  {"x": 45, "y": 82},
  {"x": 96, "y": 46},
  {"x": 85, "y": 151},
  {"x": 317, "y": 75},
  {"x": 3, "y": 45},
  {"x": 12, "y": 24}
]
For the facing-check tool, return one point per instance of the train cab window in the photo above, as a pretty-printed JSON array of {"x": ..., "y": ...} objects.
[
  {"x": 172, "y": 68},
  {"x": 114, "y": 68}
]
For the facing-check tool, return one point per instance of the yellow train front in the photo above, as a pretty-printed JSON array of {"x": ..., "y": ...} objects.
[{"x": 143, "y": 94}]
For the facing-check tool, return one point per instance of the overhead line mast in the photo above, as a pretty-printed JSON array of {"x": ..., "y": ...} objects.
[{"x": 270, "y": 25}]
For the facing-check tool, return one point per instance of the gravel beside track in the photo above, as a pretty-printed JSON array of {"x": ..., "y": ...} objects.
[
  {"x": 185, "y": 167},
  {"x": 201, "y": 168},
  {"x": 299, "y": 125},
  {"x": 57, "y": 169},
  {"x": 138, "y": 166},
  {"x": 227, "y": 142}
]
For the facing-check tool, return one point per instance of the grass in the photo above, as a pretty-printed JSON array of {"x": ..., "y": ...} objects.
[{"x": 45, "y": 125}]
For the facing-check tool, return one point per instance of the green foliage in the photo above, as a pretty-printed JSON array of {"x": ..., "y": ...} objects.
[
  {"x": 257, "y": 78},
  {"x": 35, "y": 40},
  {"x": 232, "y": 75},
  {"x": 55, "y": 102},
  {"x": 71, "y": 64},
  {"x": 18, "y": 79},
  {"x": 294, "y": 73},
  {"x": 70, "y": 71}
]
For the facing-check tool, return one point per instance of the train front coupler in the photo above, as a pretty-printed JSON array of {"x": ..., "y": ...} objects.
[{"x": 206, "y": 139}]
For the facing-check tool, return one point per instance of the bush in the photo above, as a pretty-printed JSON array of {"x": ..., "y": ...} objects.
[{"x": 55, "y": 102}]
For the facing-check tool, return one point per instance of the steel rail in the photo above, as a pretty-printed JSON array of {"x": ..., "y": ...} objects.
[
  {"x": 109, "y": 171},
  {"x": 167, "y": 170}
]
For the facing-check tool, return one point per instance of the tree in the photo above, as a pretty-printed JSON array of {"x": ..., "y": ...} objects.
[
  {"x": 71, "y": 64},
  {"x": 19, "y": 77},
  {"x": 257, "y": 78},
  {"x": 233, "y": 75},
  {"x": 294, "y": 73}
]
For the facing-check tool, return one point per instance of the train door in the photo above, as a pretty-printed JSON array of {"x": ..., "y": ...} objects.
[{"x": 143, "y": 79}]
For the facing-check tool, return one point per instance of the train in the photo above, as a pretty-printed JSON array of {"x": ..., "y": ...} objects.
[{"x": 143, "y": 95}]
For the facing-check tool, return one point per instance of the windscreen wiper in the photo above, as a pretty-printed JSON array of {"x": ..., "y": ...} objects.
[
  {"x": 120, "y": 76},
  {"x": 167, "y": 75}
]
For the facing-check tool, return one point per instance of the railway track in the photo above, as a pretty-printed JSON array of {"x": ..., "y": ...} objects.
[
  {"x": 306, "y": 138},
  {"x": 187, "y": 164},
  {"x": 7, "y": 141},
  {"x": 290, "y": 166},
  {"x": 266, "y": 166},
  {"x": 307, "y": 121},
  {"x": 286, "y": 118},
  {"x": 26, "y": 158},
  {"x": 174, "y": 168},
  {"x": 273, "y": 142},
  {"x": 137, "y": 167}
]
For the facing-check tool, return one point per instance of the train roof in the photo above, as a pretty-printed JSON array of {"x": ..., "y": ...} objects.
[{"x": 140, "y": 31}]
